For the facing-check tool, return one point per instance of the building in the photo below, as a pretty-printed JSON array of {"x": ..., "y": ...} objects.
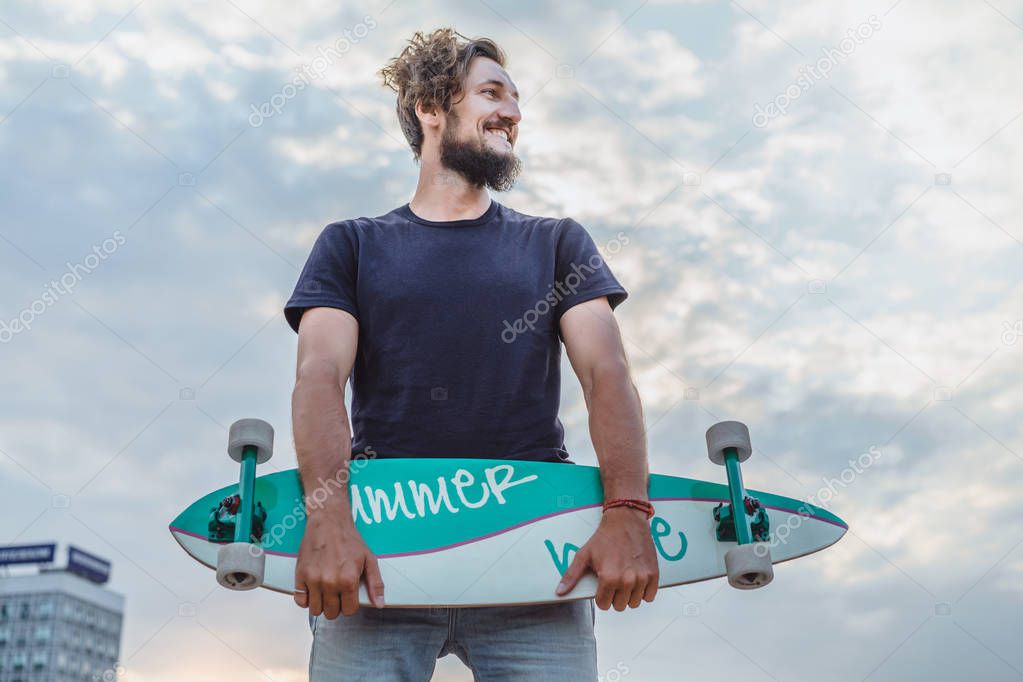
[{"x": 58, "y": 623}]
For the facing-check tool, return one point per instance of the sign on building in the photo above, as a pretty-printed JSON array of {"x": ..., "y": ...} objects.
[
  {"x": 87, "y": 565},
  {"x": 27, "y": 554}
]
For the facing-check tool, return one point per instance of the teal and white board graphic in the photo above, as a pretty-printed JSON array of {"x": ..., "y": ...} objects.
[{"x": 475, "y": 532}]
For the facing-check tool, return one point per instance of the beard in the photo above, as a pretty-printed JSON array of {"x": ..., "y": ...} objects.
[{"x": 480, "y": 165}]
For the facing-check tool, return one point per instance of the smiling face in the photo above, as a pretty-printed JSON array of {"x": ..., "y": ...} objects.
[{"x": 481, "y": 128}]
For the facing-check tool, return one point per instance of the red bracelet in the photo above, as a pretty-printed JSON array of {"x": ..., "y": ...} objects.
[{"x": 641, "y": 505}]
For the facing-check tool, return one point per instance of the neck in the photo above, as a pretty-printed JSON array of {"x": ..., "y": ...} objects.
[{"x": 443, "y": 195}]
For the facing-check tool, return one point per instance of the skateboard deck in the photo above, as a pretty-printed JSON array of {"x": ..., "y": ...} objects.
[{"x": 483, "y": 532}]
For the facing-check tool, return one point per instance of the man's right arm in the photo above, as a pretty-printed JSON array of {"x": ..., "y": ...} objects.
[{"x": 333, "y": 557}]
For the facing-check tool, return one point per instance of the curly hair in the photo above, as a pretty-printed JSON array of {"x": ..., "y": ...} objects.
[{"x": 432, "y": 70}]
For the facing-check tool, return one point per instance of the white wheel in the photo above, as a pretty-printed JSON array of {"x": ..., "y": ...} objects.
[
  {"x": 728, "y": 435},
  {"x": 749, "y": 566},
  {"x": 240, "y": 566},
  {"x": 255, "y": 432}
]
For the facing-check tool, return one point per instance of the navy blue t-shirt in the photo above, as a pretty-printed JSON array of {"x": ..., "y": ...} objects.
[{"x": 459, "y": 349}]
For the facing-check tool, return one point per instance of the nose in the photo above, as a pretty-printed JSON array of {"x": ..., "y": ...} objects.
[{"x": 510, "y": 110}]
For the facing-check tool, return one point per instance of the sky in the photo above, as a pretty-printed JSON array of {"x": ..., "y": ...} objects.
[{"x": 822, "y": 209}]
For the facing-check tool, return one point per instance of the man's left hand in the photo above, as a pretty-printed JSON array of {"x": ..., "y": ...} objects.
[{"x": 621, "y": 552}]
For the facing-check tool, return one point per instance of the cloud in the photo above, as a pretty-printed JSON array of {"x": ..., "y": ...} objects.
[{"x": 840, "y": 278}]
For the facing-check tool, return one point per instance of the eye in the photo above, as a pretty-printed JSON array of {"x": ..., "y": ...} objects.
[{"x": 491, "y": 90}]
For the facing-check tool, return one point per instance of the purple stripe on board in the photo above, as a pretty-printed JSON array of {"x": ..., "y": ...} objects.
[
  {"x": 541, "y": 518},
  {"x": 768, "y": 506},
  {"x": 494, "y": 534}
]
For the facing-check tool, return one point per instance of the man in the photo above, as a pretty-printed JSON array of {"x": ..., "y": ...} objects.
[{"x": 448, "y": 314}]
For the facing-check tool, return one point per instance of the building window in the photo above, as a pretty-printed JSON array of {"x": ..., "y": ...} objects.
[{"x": 45, "y": 609}]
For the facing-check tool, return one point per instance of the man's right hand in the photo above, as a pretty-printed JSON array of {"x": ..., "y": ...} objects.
[{"x": 332, "y": 560}]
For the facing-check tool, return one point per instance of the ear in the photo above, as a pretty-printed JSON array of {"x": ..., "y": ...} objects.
[{"x": 428, "y": 118}]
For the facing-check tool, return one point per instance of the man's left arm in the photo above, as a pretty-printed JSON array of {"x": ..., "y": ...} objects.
[{"x": 621, "y": 551}]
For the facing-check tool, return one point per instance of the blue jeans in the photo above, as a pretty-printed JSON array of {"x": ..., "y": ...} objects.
[{"x": 536, "y": 643}]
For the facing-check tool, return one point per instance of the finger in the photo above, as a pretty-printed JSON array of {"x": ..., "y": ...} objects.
[
  {"x": 349, "y": 601},
  {"x": 315, "y": 600},
  {"x": 574, "y": 572},
  {"x": 350, "y": 594},
  {"x": 651, "y": 589},
  {"x": 636, "y": 598},
  {"x": 331, "y": 604},
  {"x": 621, "y": 598},
  {"x": 605, "y": 594},
  {"x": 624, "y": 589},
  {"x": 301, "y": 596},
  {"x": 374, "y": 582}
]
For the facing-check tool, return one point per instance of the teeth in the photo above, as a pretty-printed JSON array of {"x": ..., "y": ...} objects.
[{"x": 507, "y": 137}]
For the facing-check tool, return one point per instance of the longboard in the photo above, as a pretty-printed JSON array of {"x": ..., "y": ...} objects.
[{"x": 481, "y": 532}]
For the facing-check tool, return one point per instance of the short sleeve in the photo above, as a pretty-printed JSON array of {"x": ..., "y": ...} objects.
[
  {"x": 329, "y": 276},
  {"x": 582, "y": 273}
]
